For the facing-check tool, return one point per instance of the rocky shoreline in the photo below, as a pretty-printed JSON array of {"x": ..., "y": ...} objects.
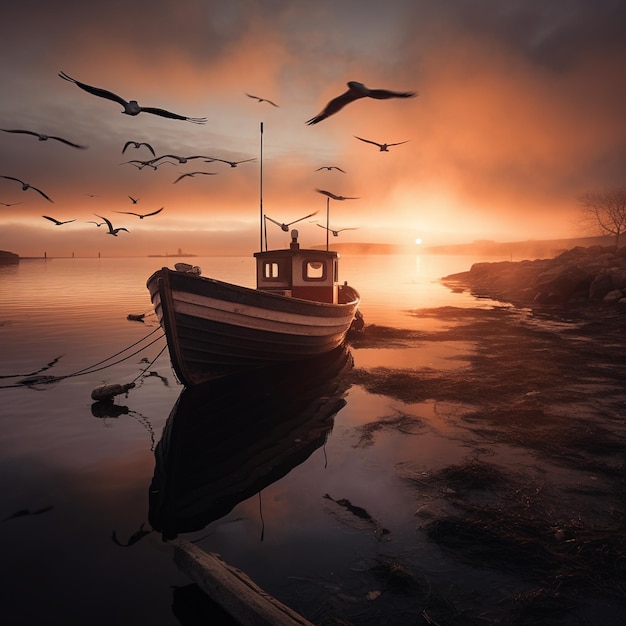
[{"x": 580, "y": 276}]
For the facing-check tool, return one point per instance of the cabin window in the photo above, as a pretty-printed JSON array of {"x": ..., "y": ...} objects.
[
  {"x": 270, "y": 270},
  {"x": 314, "y": 270}
]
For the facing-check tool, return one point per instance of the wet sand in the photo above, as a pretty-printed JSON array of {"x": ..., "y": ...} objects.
[{"x": 541, "y": 496}]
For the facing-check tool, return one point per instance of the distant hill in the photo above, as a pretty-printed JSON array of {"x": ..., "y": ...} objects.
[
  {"x": 531, "y": 249},
  {"x": 8, "y": 258}
]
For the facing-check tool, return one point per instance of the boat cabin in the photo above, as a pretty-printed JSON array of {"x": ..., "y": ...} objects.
[{"x": 301, "y": 273}]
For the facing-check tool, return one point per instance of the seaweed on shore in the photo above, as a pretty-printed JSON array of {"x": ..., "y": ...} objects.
[{"x": 569, "y": 557}]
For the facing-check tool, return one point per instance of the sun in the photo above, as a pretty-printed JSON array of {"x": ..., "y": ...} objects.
[{"x": 418, "y": 241}]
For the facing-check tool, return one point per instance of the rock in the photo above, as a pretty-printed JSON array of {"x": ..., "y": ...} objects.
[
  {"x": 600, "y": 286},
  {"x": 613, "y": 296},
  {"x": 574, "y": 277}
]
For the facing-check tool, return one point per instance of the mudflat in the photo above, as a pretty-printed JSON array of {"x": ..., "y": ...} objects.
[{"x": 545, "y": 385}]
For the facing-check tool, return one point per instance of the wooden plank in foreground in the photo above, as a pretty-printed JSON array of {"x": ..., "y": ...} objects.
[{"x": 232, "y": 589}]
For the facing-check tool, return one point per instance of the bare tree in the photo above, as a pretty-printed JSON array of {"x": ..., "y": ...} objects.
[{"x": 606, "y": 210}]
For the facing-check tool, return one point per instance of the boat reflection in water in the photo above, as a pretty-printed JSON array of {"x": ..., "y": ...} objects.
[{"x": 228, "y": 439}]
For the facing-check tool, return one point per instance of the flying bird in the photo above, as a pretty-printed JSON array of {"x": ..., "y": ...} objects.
[
  {"x": 98, "y": 224},
  {"x": 57, "y": 222},
  {"x": 112, "y": 231},
  {"x": 384, "y": 147},
  {"x": 355, "y": 92},
  {"x": 131, "y": 107},
  {"x": 285, "y": 227},
  {"x": 330, "y": 167},
  {"x": 43, "y": 137},
  {"x": 141, "y": 164},
  {"x": 10, "y": 203},
  {"x": 193, "y": 174},
  {"x": 336, "y": 232},
  {"x": 139, "y": 215},
  {"x": 231, "y": 163},
  {"x": 334, "y": 197},
  {"x": 261, "y": 99},
  {"x": 180, "y": 159},
  {"x": 134, "y": 200},
  {"x": 138, "y": 144},
  {"x": 26, "y": 186}
]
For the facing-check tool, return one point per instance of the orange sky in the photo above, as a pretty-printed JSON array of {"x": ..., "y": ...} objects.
[{"x": 520, "y": 110}]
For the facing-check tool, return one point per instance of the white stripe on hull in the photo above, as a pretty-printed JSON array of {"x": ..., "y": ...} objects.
[{"x": 256, "y": 318}]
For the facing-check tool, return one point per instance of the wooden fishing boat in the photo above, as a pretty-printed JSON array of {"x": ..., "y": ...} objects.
[
  {"x": 214, "y": 328},
  {"x": 228, "y": 439}
]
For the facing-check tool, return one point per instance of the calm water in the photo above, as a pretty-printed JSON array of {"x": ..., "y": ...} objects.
[{"x": 75, "y": 541}]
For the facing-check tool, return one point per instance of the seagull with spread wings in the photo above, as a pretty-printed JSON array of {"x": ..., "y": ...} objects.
[
  {"x": 180, "y": 159},
  {"x": 335, "y": 232},
  {"x": 190, "y": 174},
  {"x": 335, "y": 197},
  {"x": 140, "y": 215},
  {"x": 131, "y": 107},
  {"x": 141, "y": 164},
  {"x": 43, "y": 137},
  {"x": 134, "y": 200},
  {"x": 231, "y": 163},
  {"x": 112, "y": 231},
  {"x": 26, "y": 186},
  {"x": 356, "y": 91},
  {"x": 261, "y": 99},
  {"x": 98, "y": 224},
  {"x": 384, "y": 147},
  {"x": 137, "y": 145},
  {"x": 57, "y": 222},
  {"x": 286, "y": 226},
  {"x": 10, "y": 203},
  {"x": 329, "y": 168}
]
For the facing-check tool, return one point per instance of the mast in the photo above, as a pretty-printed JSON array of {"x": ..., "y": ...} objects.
[
  {"x": 327, "y": 220},
  {"x": 261, "y": 195}
]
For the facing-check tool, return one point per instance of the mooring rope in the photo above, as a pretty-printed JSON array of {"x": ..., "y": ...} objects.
[
  {"x": 33, "y": 379},
  {"x": 89, "y": 369},
  {"x": 143, "y": 371}
]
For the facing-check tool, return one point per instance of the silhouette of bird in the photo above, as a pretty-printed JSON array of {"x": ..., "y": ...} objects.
[
  {"x": 140, "y": 164},
  {"x": 43, "y": 137},
  {"x": 336, "y": 232},
  {"x": 384, "y": 147},
  {"x": 355, "y": 92},
  {"x": 330, "y": 167},
  {"x": 180, "y": 159},
  {"x": 231, "y": 163},
  {"x": 138, "y": 144},
  {"x": 285, "y": 227},
  {"x": 193, "y": 174},
  {"x": 335, "y": 197},
  {"x": 10, "y": 203},
  {"x": 57, "y": 222},
  {"x": 139, "y": 215},
  {"x": 26, "y": 186},
  {"x": 23, "y": 512},
  {"x": 98, "y": 224},
  {"x": 112, "y": 231},
  {"x": 157, "y": 165},
  {"x": 131, "y": 107},
  {"x": 134, "y": 200},
  {"x": 261, "y": 99}
]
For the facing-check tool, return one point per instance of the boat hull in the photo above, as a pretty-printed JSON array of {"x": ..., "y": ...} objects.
[{"x": 214, "y": 328}]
